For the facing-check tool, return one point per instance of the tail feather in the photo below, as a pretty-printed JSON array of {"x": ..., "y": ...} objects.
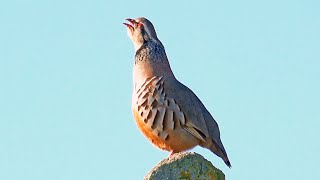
[
  {"x": 220, "y": 151},
  {"x": 225, "y": 158},
  {"x": 227, "y": 162}
]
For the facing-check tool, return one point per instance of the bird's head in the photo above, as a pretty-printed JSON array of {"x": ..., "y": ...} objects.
[{"x": 141, "y": 30}]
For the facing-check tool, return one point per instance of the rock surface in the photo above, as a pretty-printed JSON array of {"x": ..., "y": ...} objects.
[{"x": 185, "y": 165}]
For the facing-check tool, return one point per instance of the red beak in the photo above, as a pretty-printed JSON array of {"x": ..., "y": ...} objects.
[{"x": 131, "y": 22}]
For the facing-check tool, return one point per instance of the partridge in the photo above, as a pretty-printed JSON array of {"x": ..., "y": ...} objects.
[{"x": 167, "y": 112}]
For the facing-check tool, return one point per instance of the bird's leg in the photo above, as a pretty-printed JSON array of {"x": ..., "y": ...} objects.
[{"x": 171, "y": 153}]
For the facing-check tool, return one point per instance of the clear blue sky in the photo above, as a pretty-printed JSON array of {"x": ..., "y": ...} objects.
[{"x": 65, "y": 85}]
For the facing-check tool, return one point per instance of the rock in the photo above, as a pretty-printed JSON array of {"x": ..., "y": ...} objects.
[{"x": 185, "y": 165}]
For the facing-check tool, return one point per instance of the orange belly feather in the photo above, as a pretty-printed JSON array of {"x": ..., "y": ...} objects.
[{"x": 147, "y": 132}]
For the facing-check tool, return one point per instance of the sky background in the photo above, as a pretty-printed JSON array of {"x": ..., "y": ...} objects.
[{"x": 66, "y": 81}]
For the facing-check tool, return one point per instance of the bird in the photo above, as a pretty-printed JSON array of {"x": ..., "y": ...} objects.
[{"x": 167, "y": 112}]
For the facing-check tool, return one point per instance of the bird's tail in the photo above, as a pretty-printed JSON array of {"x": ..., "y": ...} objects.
[{"x": 218, "y": 149}]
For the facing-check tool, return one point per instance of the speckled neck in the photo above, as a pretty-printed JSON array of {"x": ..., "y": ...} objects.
[
  {"x": 151, "y": 51},
  {"x": 151, "y": 60}
]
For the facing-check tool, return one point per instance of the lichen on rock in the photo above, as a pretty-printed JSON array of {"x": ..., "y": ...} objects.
[{"x": 187, "y": 166}]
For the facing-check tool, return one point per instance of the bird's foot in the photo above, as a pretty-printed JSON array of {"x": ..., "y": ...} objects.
[{"x": 171, "y": 153}]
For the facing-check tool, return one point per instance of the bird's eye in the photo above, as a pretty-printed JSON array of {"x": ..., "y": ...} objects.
[{"x": 140, "y": 24}]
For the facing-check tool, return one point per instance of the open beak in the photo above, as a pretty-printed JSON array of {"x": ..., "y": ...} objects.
[{"x": 132, "y": 23}]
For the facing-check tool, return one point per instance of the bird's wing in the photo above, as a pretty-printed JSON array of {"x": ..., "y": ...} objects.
[
  {"x": 191, "y": 106},
  {"x": 198, "y": 119},
  {"x": 201, "y": 118}
]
